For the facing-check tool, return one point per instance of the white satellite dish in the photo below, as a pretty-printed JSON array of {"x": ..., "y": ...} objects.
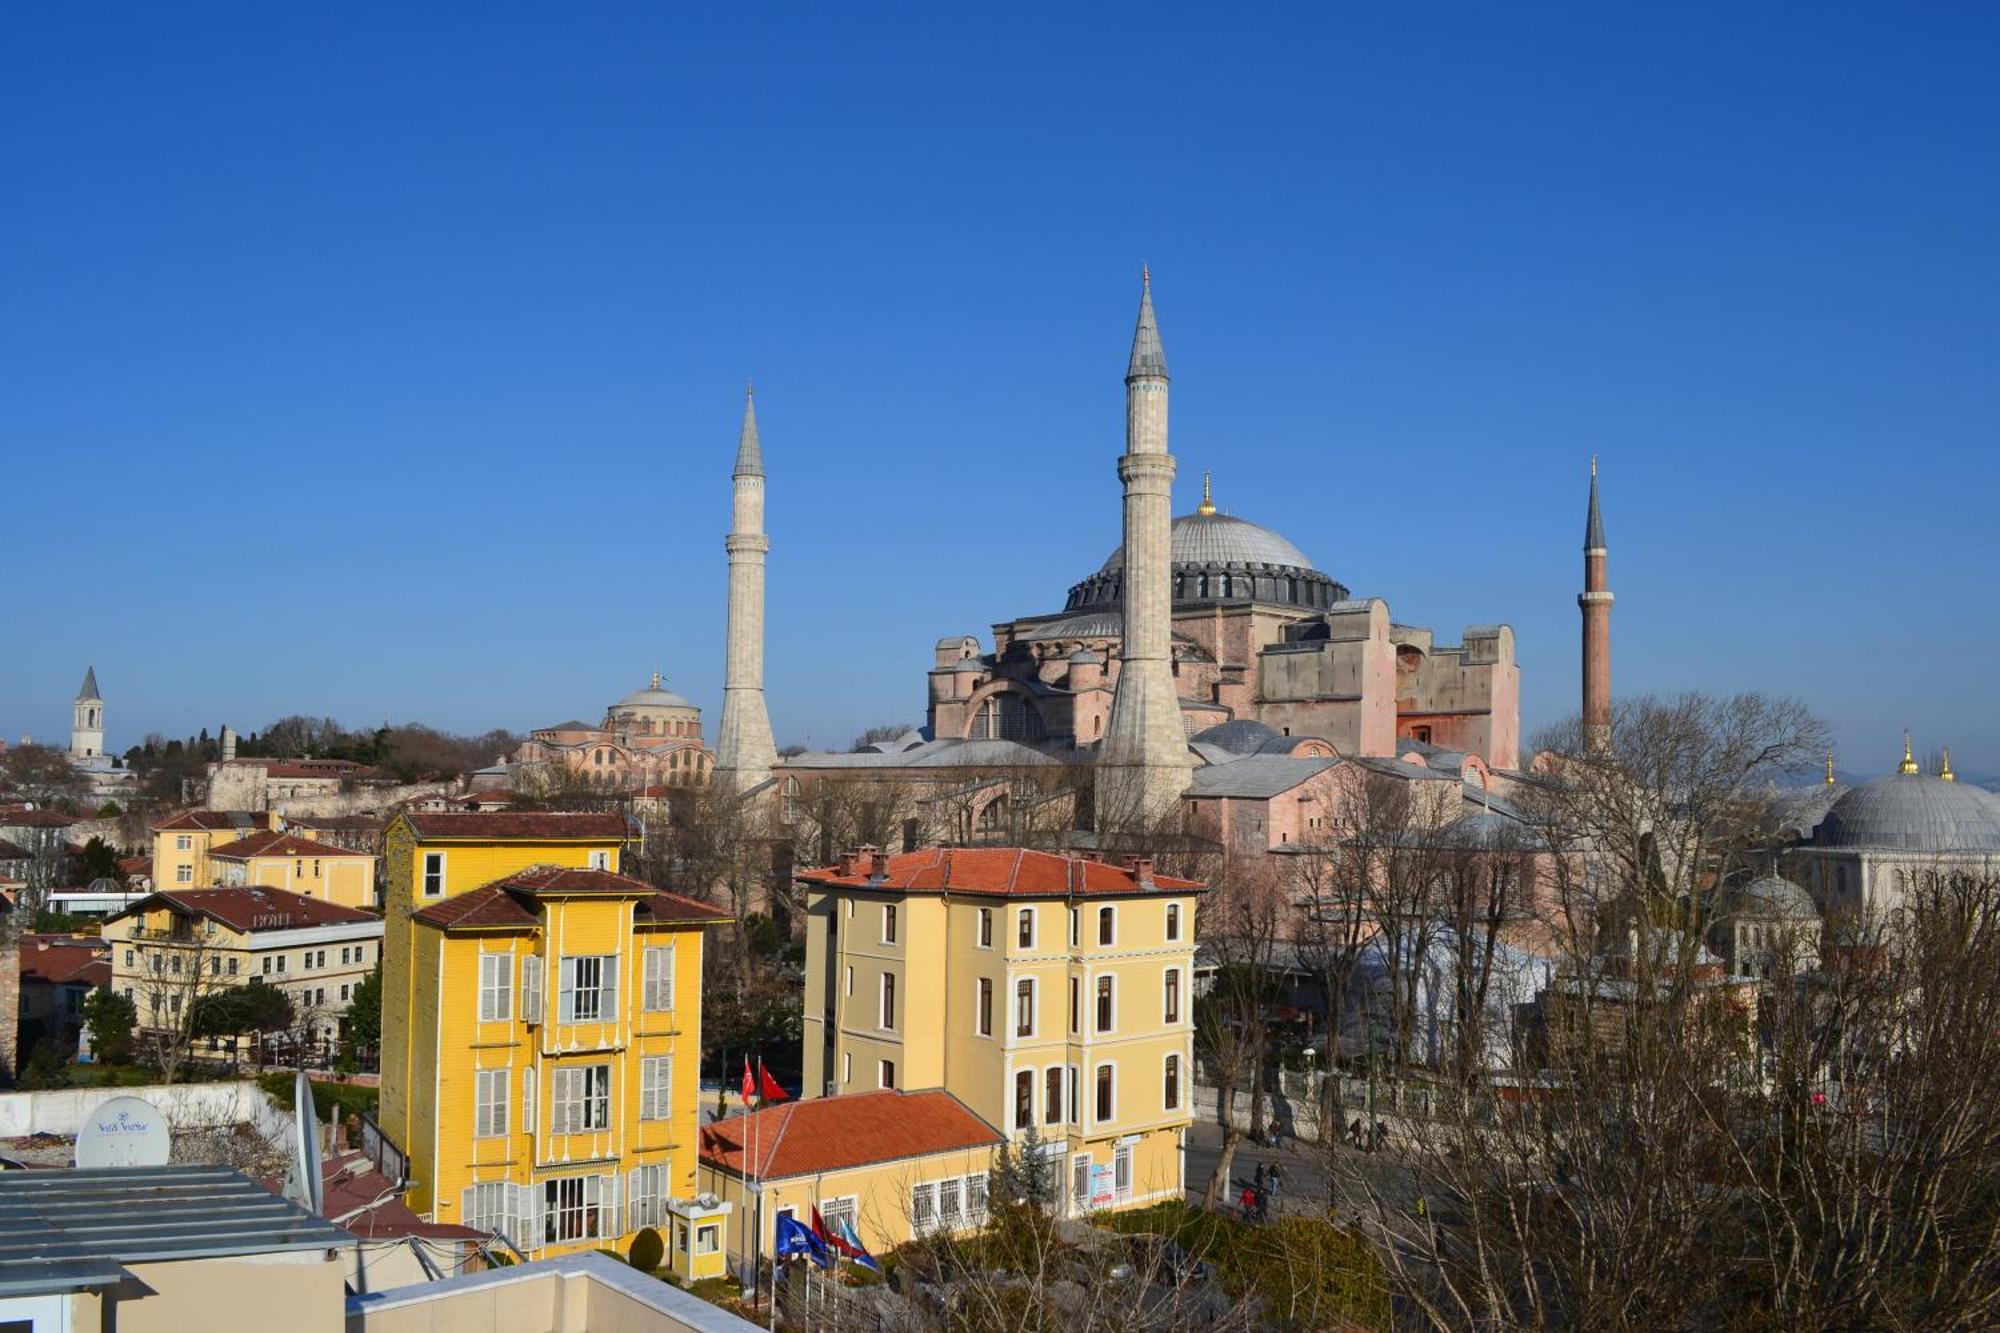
[
  {"x": 123, "y": 1131},
  {"x": 305, "y": 1185}
]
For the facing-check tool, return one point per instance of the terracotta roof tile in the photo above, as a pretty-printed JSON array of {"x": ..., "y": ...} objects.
[
  {"x": 540, "y": 825},
  {"x": 510, "y": 901},
  {"x": 1011, "y": 872},
  {"x": 13, "y": 851},
  {"x": 834, "y": 1133},
  {"x": 19, "y": 818},
  {"x": 251, "y": 909},
  {"x": 277, "y": 844},
  {"x": 60, "y": 959}
]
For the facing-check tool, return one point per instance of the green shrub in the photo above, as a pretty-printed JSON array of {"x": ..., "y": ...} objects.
[
  {"x": 329, "y": 1099},
  {"x": 648, "y": 1250}
]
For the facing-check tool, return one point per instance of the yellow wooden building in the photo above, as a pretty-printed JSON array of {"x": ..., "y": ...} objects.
[
  {"x": 181, "y": 843},
  {"x": 299, "y": 865},
  {"x": 1042, "y": 991},
  {"x": 541, "y": 1032}
]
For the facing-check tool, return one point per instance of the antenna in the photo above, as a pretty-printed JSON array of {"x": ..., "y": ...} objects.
[
  {"x": 123, "y": 1131},
  {"x": 305, "y": 1186}
]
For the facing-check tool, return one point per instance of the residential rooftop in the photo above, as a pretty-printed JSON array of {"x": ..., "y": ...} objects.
[
  {"x": 854, "y": 1129},
  {"x": 1007, "y": 872}
]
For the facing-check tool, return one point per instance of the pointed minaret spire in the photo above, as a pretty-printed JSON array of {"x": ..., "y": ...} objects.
[
  {"x": 88, "y": 693},
  {"x": 1595, "y": 603},
  {"x": 1944, "y": 768},
  {"x": 1207, "y": 506},
  {"x": 1142, "y": 764},
  {"x": 744, "y": 750},
  {"x": 1831, "y": 780},
  {"x": 1909, "y": 764},
  {"x": 749, "y": 450}
]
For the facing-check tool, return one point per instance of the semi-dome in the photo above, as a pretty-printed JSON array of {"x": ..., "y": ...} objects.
[
  {"x": 1770, "y": 897},
  {"x": 1914, "y": 812},
  {"x": 1219, "y": 557},
  {"x": 1245, "y": 735}
]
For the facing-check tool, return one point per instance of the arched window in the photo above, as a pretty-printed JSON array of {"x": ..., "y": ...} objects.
[
  {"x": 1007, "y": 717},
  {"x": 993, "y": 819}
]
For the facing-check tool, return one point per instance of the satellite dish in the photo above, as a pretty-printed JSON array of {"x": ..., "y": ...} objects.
[
  {"x": 123, "y": 1131},
  {"x": 306, "y": 1185}
]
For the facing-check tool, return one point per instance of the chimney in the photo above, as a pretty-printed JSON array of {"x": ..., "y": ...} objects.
[
  {"x": 228, "y": 743},
  {"x": 1142, "y": 870},
  {"x": 878, "y": 864}
]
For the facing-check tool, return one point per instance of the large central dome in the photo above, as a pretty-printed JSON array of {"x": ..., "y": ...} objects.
[
  {"x": 1222, "y": 539},
  {"x": 1220, "y": 558},
  {"x": 1915, "y": 812}
]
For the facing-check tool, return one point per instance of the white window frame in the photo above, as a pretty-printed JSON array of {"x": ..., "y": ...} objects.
[
  {"x": 528, "y": 1124},
  {"x": 183, "y": 874},
  {"x": 707, "y": 1237},
  {"x": 983, "y": 929},
  {"x": 923, "y": 1208},
  {"x": 888, "y": 923},
  {"x": 832, "y": 1211},
  {"x": 184, "y": 842},
  {"x": 951, "y": 1203},
  {"x": 1098, "y": 1068},
  {"x": 600, "y": 860},
  {"x": 885, "y": 1002},
  {"x": 1111, "y": 943},
  {"x": 1173, "y": 996},
  {"x": 496, "y": 987},
  {"x": 1173, "y": 922},
  {"x": 1025, "y": 928},
  {"x": 982, "y": 1007},
  {"x": 846, "y": 1068},
  {"x": 656, "y": 1087},
  {"x": 431, "y": 871},
  {"x": 657, "y": 992},
  {"x": 885, "y": 1073},
  {"x": 1121, "y": 1164},
  {"x": 531, "y": 988},
  {"x": 595, "y": 1216},
  {"x": 577, "y": 1107},
  {"x": 1099, "y": 1012},
  {"x": 601, "y": 992},
  {"x": 489, "y": 1102},
  {"x": 1172, "y": 1061},
  {"x": 1034, "y": 1008},
  {"x": 646, "y": 1192}
]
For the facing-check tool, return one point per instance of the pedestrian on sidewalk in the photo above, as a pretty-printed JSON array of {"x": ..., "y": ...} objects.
[
  {"x": 1271, "y": 1183},
  {"x": 1260, "y": 1177},
  {"x": 1249, "y": 1203}
]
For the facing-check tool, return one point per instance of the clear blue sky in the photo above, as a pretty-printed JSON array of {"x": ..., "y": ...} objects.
[{"x": 386, "y": 361}]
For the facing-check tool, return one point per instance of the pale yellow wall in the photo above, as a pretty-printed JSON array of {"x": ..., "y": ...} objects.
[
  {"x": 938, "y": 962},
  {"x": 345, "y": 879},
  {"x": 302, "y": 1292},
  {"x": 136, "y": 939},
  {"x": 881, "y": 1192}
]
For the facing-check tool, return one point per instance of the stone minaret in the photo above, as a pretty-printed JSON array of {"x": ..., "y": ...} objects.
[
  {"x": 1595, "y": 602},
  {"x": 744, "y": 750},
  {"x": 1143, "y": 765},
  {"x": 86, "y": 728}
]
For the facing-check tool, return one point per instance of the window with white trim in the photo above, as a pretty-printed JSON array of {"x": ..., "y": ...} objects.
[
  {"x": 489, "y": 1103},
  {"x": 923, "y": 1207},
  {"x": 975, "y": 1200},
  {"x": 985, "y": 927},
  {"x": 183, "y": 874},
  {"x": 600, "y": 860},
  {"x": 1024, "y": 1098},
  {"x": 888, "y": 923},
  {"x": 496, "y": 987},
  {"x": 1171, "y": 1001},
  {"x": 656, "y": 1077},
  {"x": 950, "y": 1204},
  {"x": 833, "y": 1212},
  {"x": 433, "y": 874},
  {"x": 646, "y": 1197},
  {"x": 589, "y": 992},
  {"x": 1024, "y": 1007},
  {"x": 1024, "y": 928},
  {"x": 885, "y": 1074},
  {"x": 1173, "y": 921},
  {"x": 576, "y": 1208},
  {"x": 1170, "y": 1091},
  {"x": 1107, "y": 1096},
  {"x": 1121, "y": 1171},
  {"x": 580, "y": 1099},
  {"x": 1107, "y": 1009},
  {"x": 657, "y": 994},
  {"x": 708, "y": 1238},
  {"x": 1107, "y": 925},
  {"x": 888, "y": 1014},
  {"x": 983, "y": 1011},
  {"x": 528, "y": 1101},
  {"x": 184, "y": 842}
]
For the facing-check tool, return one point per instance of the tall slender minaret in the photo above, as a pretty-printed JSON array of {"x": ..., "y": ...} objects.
[
  {"x": 86, "y": 729},
  {"x": 744, "y": 750},
  {"x": 1595, "y": 602},
  {"x": 1143, "y": 765}
]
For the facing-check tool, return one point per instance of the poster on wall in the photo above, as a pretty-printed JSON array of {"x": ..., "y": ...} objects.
[{"x": 1103, "y": 1189}]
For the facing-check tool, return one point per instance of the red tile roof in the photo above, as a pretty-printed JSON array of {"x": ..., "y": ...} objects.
[
  {"x": 509, "y": 901},
  {"x": 22, "y": 818},
  {"x": 213, "y": 821},
  {"x": 834, "y": 1133},
  {"x": 133, "y": 866},
  {"x": 277, "y": 844},
  {"x": 250, "y": 909},
  {"x": 13, "y": 851},
  {"x": 363, "y": 1200},
  {"x": 527, "y": 825},
  {"x": 62, "y": 959},
  {"x": 1011, "y": 872}
]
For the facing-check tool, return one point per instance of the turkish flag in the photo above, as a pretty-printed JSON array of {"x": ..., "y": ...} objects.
[
  {"x": 767, "y": 1087},
  {"x": 749, "y": 1083}
]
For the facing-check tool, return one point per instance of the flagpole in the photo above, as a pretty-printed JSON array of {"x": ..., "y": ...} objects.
[{"x": 760, "y": 1230}]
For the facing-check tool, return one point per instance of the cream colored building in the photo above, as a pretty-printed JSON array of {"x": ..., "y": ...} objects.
[
  {"x": 297, "y": 865},
  {"x": 181, "y": 843},
  {"x": 1045, "y": 992}
]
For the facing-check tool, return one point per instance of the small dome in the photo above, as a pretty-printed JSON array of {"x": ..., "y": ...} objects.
[
  {"x": 654, "y": 696},
  {"x": 1244, "y": 736},
  {"x": 1913, "y": 812},
  {"x": 1222, "y": 539},
  {"x": 1772, "y": 896},
  {"x": 968, "y": 665},
  {"x": 1085, "y": 657}
]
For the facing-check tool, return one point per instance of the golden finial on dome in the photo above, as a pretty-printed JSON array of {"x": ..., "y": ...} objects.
[
  {"x": 1944, "y": 769},
  {"x": 656, "y": 680},
  {"x": 1831, "y": 781},
  {"x": 1909, "y": 764},
  {"x": 1207, "y": 505}
]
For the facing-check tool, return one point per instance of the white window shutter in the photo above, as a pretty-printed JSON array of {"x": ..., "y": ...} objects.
[
  {"x": 667, "y": 977},
  {"x": 635, "y": 1198},
  {"x": 468, "y": 1209},
  {"x": 613, "y": 1224},
  {"x": 608, "y": 986},
  {"x": 528, "y": 1125},
  {"x": 531, "y": 988}
]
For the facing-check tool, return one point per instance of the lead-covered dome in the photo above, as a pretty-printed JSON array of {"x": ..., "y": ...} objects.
[
  {"x": 1219, "y": 557},
  {"x": 654, "y": 696},
  {"x": 1914, "y": 812}
]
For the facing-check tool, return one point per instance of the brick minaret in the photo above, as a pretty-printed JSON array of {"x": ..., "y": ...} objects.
[
  {"x": 1143, "y": 764},
  {"x": 744, "y": 750},
  {"x": 1595, "y": 602}
]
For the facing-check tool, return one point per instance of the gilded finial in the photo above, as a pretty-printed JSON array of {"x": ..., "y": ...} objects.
[
  {"x": 1207, "y": 505},
  {"x": 1831, "y": 781},
  {"x": 1909, "y": 764},
  {"x": 656, "y": 680},
  {"x": 1944, "y": 769}
]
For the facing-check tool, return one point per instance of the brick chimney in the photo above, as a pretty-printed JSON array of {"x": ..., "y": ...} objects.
[
  {"x": 1142, "y": 870},
  {"x": 878, "y": 864}
]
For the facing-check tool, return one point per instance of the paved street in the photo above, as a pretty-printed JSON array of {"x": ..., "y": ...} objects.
[{"x": 1304, "y": 1172}]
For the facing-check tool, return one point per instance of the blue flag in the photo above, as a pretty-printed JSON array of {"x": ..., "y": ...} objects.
[
  {"x": 794, "y": 1240},
  {"x": 850, "y": 1244}
]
